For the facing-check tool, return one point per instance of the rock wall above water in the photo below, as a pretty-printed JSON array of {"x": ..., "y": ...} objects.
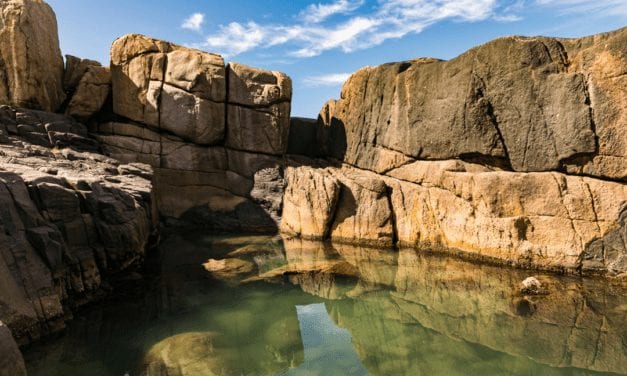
[
  {"x": 70, "y": 218},
  {"x": 515, "y": 151},
  {"x": 525, "y": 104},
  {"x": 214, "y": 134}
]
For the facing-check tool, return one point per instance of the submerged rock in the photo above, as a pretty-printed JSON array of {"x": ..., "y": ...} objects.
[{"x": 531, "y": 286}]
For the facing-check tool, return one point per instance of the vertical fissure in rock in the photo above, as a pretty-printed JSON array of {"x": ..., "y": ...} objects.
[
  {"x": 393, "y": 218},
  {"x": 226, "y": 109}
]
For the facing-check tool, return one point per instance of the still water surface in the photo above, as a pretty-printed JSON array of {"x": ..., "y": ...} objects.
[{"x": 263, "y": 306}]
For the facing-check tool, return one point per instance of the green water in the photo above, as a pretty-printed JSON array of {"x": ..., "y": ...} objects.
[{"x": 305, "y": 308}]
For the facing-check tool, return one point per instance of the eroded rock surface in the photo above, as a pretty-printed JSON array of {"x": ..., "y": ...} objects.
[
  {"x": 216, "y": 144},
  {"x": 546, "y": 220},
  {"x": 31, "y": 73},
  {"x": 70, "y": 218},
  {"x": 513, "y": 151},
  {"x": 527, "y": 104}
]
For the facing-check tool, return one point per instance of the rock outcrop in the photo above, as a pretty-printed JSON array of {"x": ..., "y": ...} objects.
[
  {"x": 207, "y": 129},
  {"x": 514, "y": 151},
  {"x": 526, "y": 104},
  {"x": 11, "y": 361},
  {"x": 31, "y": 65},
  {"x": 70, "y": 218}
]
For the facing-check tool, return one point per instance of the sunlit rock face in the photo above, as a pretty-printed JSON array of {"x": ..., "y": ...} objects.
[
  {"x": 70, "y": 218},
  {"x": 513, "y": 151},
  {"x": 31, "y": 64},
  {"x": 215, "y": 134}
]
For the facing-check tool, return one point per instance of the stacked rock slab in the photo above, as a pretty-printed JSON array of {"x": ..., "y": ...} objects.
[
  {"x": 31, "y": 65},
  {"x": 87, "y": 84},
  {"x": 515, "y": 151},
  {"x": 214, "y": 134},
  {"x": 69, "y": 219}
]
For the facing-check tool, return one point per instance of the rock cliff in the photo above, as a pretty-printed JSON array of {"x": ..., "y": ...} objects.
[
  {"x": 514, "y": 151},
  {"x": 70, "y": 219},
  {"x": 214, "y": 134},
  {"x": 31, "y": 66}
]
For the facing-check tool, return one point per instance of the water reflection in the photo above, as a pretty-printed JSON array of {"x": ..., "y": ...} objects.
[{"x": 264, "y": 306}]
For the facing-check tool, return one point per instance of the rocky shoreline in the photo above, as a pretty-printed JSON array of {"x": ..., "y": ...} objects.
[{"x": 513, "y": 152}]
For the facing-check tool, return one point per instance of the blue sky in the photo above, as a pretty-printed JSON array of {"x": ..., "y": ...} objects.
[{"x": 318, "y": 43}]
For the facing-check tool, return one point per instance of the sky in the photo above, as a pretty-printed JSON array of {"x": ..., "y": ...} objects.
[{"x": 319, "y": 43}]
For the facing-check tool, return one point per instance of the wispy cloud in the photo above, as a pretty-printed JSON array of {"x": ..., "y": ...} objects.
[
  {"x": 360, "y": 27},
  {"x": 194, "y": 22},
  {"x": 591, "y": 7},
  {"x": 332, "y": 79},
  {"x": 316, "y": 13}
]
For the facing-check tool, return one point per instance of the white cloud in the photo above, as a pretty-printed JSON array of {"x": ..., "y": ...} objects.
[
  {"x": 389, "y": 19},
  {"x": 316, "y": 13},
  {"x": 194, "y": 22},
  {"x": 332, "y": 79},
  {"x": 591, "y": 7}
]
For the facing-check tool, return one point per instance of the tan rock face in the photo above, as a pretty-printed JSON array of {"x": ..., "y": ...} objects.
[
  {"x": 258, "y": 110},
  {"x": 75, "y": 68},
  {"x": 169, "y": 87},
  {"x": 32, "y": 65},
  {"x": 515, "y": 150},
  {"x": 546, "y": 220},
  {"x": 309, "y": 202},
  {"x": 91, "y": 93},
  {"x": 216, "y": 146},
  {"x": 527, "y": 104}
]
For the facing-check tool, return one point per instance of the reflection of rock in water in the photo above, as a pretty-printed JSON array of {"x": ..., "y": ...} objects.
[
  {"x": 186, "y": 354},
  {"x": 577, "y": 323},
  {"x": 574, "y": 325}
]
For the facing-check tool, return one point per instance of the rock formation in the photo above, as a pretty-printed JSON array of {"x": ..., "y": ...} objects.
[
  {"x": 31, "y": 65},
  {"x": 513, "y": 151},
  {"x": 207, "y": 129},
  {"x": 69, "y": 219},
  {"x": 11, "y": 361}
]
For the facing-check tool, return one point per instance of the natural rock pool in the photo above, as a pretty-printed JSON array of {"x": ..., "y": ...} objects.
[{"x": 264, "y": 306}]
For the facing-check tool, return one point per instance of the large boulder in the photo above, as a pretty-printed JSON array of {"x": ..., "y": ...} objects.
[
  {"x": 31, "y": 65},
  {"x": 169, "y": 87},
  {"x": 526, "y": 104},
  {"x": 91, "y": 93},
  {"x": 258, "y": 110}
]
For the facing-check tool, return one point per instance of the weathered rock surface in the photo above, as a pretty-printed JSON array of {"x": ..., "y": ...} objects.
[
  {"x": 70, "y": 219},
  {"x": 75, "y": 69},
  {"x": 528, "y": 104},
  {"x": 31, "y": 65},
  {"x": 215, "y": 144},
  {"x": 513, "y": 151},
  {"x": 169, "y": 87},
  {"x": 91, "y": 93},
  {"x": 11, "y": 361},
  {"x": 258, "y": 110},
  {"x": 546, "y": 220}
]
